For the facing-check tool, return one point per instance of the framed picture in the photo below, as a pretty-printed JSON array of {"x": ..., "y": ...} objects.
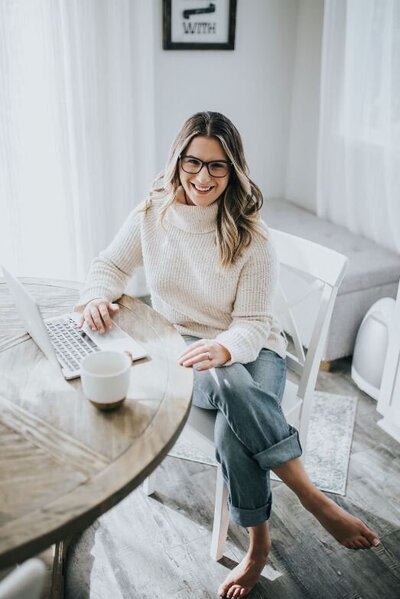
[{"x": 199, "y": 24}]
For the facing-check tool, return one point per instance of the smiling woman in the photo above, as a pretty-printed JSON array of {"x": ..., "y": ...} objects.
[{"x": 212, "y": 272}]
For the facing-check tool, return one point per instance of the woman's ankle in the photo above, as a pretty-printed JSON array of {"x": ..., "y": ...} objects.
[
  {"x": 259, "y": 542},
  {"x": 311, "y": 497},
  {"x": 261, "y": 550}
]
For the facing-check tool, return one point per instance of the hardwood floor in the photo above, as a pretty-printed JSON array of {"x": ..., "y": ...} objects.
[{"x": 158, "y": 547}]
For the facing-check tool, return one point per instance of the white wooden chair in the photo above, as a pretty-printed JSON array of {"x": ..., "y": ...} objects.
[
  {"x": 310, "y": 276},
  {"x": 25, "y": 581}
]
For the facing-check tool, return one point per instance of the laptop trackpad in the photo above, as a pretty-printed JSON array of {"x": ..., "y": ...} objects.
[{"x": 117, "y": 340}]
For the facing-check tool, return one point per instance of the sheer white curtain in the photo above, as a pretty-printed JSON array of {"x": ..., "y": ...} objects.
[
  {"x": 76, "y": 128},
  {"x": 359, "y": 146}
]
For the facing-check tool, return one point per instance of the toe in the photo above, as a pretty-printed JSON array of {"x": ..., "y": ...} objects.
[
  {"x": 232, "y": 591},
  {"x": 365, "y": 543},
  {"x": 224, "y": 588},
  {"x": 358, "y": 543},
  {"x": 350, "y": 544},
  {"x": 371, "y": 536}
]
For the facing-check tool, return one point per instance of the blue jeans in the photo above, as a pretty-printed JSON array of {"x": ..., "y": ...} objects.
[{"x": 251, "y": 432}]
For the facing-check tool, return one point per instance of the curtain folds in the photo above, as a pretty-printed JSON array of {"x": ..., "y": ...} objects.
[
  {"x": 76, "y": 128},
  {"x": 358, "y": 182}
]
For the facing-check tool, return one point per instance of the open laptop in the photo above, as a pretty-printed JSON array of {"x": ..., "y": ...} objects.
[{"x": 61, "y": 339}]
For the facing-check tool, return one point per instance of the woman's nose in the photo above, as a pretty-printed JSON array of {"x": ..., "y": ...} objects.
[{"x": 203, "y": 175}]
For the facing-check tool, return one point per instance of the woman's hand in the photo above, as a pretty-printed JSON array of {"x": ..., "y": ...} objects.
[
  {"x": 204, "y": 354},
  {"x": 96, "y": 314}
]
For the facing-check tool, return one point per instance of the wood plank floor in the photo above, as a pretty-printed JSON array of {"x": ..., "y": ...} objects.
[{"x": 157, "y": 548}]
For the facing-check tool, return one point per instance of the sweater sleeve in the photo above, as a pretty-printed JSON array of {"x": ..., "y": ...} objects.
[
  {"x": 110, "y": 271},
  {"x": 252, "y": 311}
]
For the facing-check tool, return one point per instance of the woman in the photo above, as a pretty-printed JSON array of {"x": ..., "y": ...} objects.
[{"x": 212, "y": 272}]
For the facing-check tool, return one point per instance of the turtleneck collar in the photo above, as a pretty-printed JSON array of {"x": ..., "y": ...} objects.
[{"x": 194, "y": 219}]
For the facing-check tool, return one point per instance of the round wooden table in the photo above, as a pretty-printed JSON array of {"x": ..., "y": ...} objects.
[{"x": 63, "y": 463}]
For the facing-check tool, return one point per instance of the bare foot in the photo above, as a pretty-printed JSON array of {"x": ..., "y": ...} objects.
[
  {"x": 243, "y": 578},
  {"x": 246, "y": 574},
  {"x": 345, "y": 528}
]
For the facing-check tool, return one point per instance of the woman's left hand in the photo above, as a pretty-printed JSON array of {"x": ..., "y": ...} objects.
[{"x": 204, "y": 354}]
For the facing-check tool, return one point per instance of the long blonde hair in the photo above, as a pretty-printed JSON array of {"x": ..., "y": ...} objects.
[{"x": 239, "y": 206}]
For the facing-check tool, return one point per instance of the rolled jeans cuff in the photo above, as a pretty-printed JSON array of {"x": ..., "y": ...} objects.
[
  {"x": 250, "y": 517},
  {"x": 280, "y": 453}
]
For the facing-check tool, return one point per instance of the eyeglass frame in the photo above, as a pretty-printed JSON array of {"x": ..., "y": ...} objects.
[{"x": 205, "y": 164}]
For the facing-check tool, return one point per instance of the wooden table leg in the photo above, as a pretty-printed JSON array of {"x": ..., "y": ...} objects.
[{"x": 59, "y": 569}]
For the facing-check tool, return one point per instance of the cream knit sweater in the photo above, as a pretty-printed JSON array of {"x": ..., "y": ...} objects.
[{"x": 187, "y": 285}]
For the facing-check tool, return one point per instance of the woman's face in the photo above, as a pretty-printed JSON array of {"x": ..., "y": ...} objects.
[{"x": 203, "y": 189}]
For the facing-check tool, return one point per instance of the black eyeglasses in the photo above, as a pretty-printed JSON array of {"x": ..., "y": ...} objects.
[{"x": 216, "y": 168}]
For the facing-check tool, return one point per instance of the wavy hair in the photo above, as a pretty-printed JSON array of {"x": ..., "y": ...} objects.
[{"x": 238, "y": 214}]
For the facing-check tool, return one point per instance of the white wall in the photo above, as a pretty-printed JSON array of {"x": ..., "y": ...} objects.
[
  {"x": 302, "y": 155},
  {"x": 252, "y": 85}
]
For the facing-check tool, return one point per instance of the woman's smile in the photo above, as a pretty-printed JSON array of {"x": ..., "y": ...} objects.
[{"x": 202, "y": 188}]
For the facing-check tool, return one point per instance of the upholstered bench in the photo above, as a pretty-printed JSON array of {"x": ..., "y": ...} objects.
[{"x": 373, "y": 271}]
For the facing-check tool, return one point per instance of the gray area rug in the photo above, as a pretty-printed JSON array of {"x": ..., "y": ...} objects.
[{"x": 330, "y": 435}]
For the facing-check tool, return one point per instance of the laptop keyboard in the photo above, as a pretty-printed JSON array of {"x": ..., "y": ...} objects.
[{"x": 70, "y": 342}]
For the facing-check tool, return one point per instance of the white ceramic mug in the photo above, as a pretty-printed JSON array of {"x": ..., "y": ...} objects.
[{"x": 105, "y": 378}]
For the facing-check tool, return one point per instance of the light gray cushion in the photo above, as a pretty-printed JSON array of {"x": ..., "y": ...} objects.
[
  {"x": 369, "y": 265},
  {"x": 373, "y": 272}
]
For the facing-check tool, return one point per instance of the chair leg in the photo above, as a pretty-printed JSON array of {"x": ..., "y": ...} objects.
[
  {"x": 149, "y": 485},
  {"x": 221, "y": 518}
]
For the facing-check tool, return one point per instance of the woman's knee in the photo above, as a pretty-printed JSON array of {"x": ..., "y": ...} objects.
[{"x": 219, "y": 384}]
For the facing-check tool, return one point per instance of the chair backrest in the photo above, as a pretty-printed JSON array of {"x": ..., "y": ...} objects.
[
  {"x": 310, "y": 276},
  {"x": 25, "y": 581}
]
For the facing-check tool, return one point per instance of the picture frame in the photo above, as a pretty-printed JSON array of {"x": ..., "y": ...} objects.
[{"x": 199, "y": 24}]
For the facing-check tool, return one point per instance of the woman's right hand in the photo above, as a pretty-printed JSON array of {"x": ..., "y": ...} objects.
[{"x": 97, "y": 314}]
